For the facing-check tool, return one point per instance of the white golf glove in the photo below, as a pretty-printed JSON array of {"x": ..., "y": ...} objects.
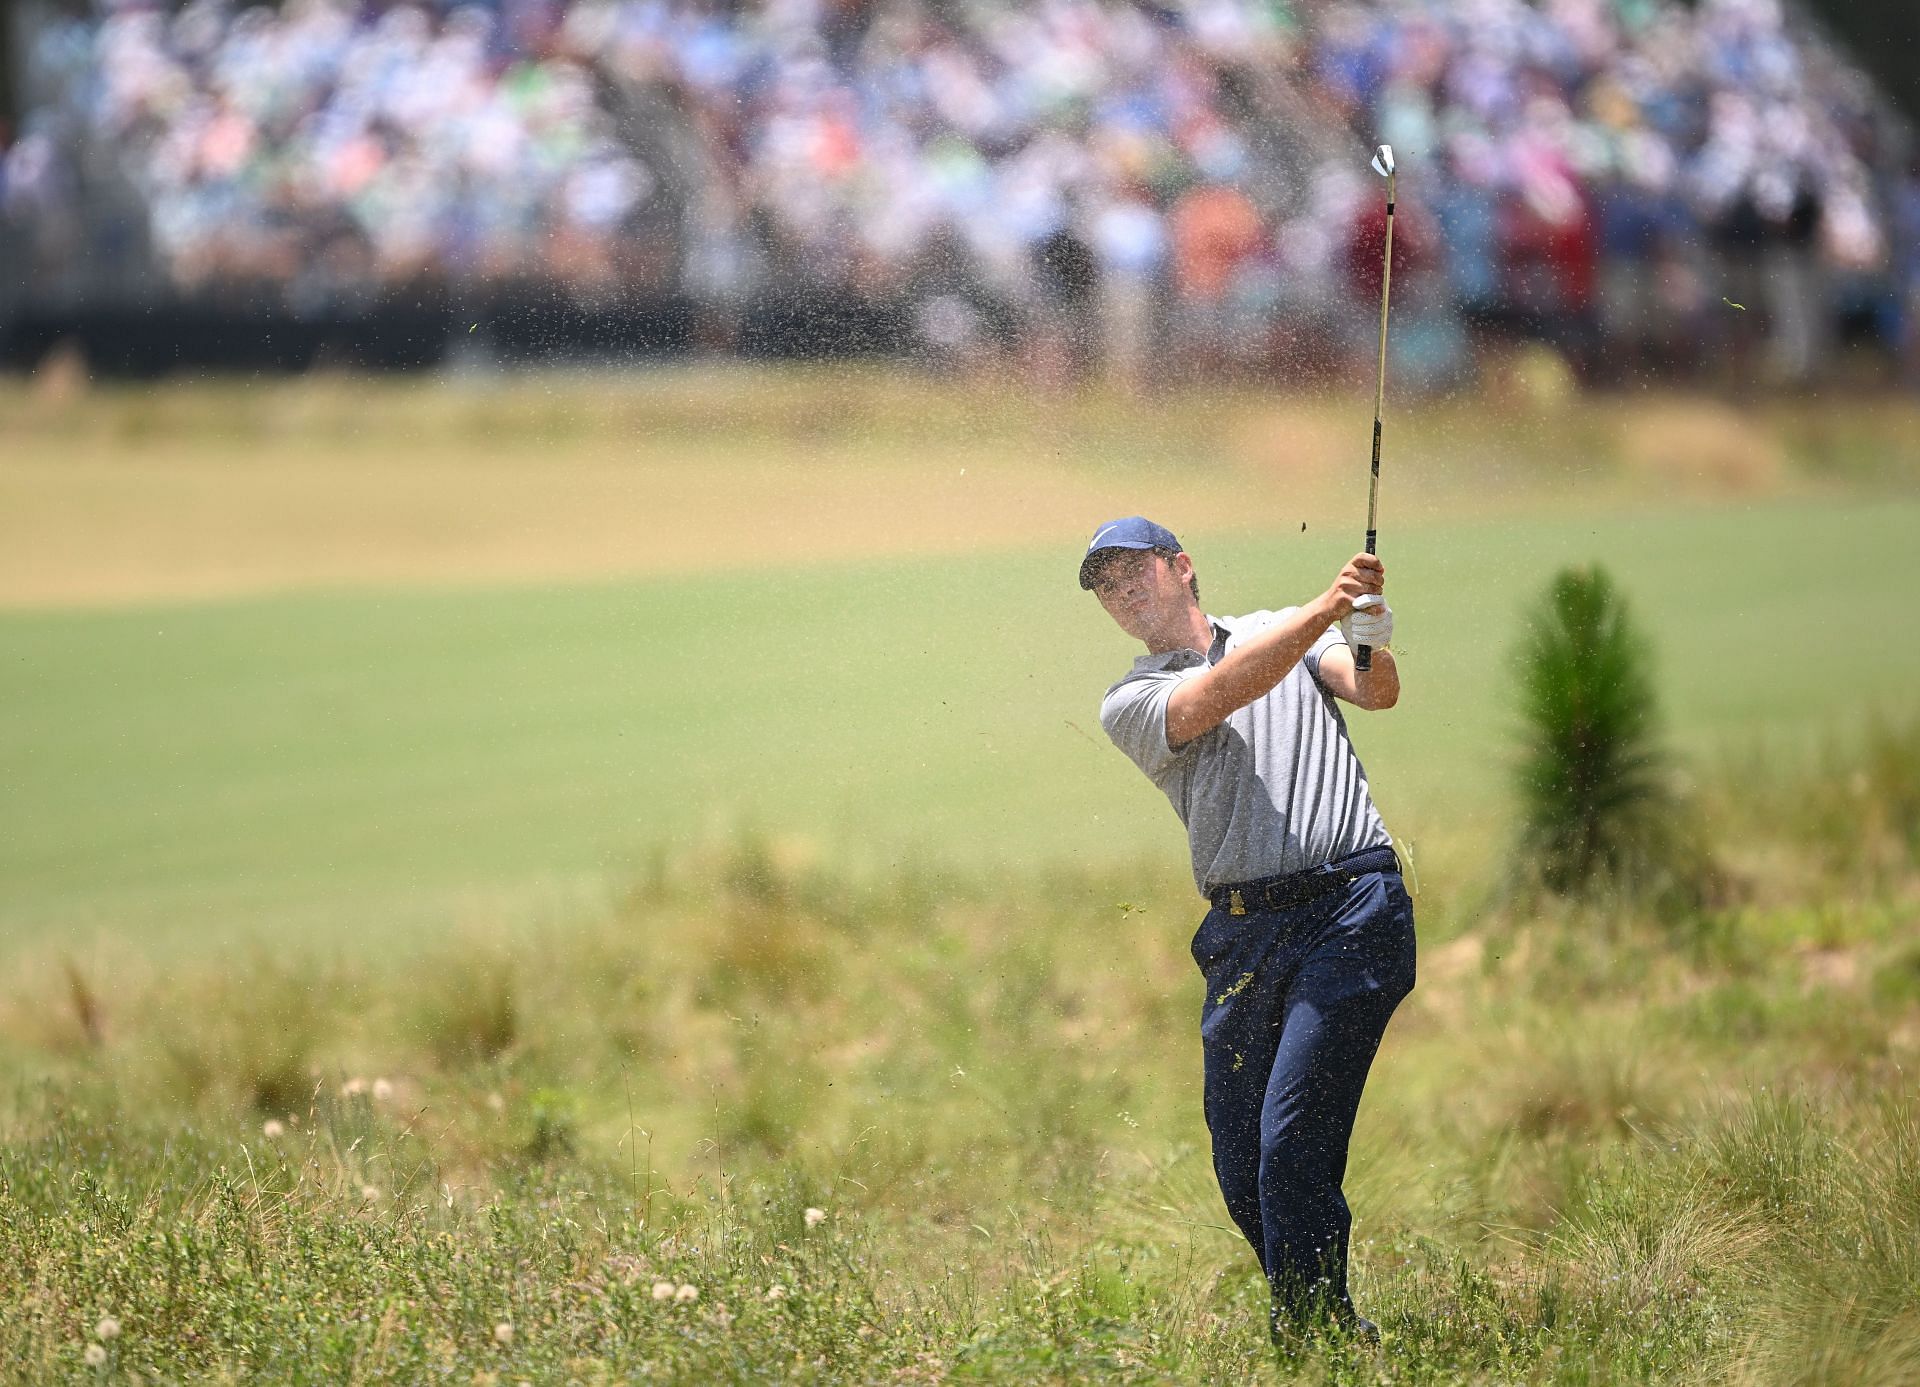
[{"x": 1371, "y": 623}]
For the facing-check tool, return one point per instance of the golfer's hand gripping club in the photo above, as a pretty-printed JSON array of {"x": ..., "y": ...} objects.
[
  {"x": 1363, "y": 653},
  {"x": 1371, "y": 623},
  {"x": 1355, "y": 601},
  {"x": 1382, "y": 165}
]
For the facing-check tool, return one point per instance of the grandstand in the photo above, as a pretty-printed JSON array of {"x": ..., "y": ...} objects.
[{"x": 1085, "y": 182}]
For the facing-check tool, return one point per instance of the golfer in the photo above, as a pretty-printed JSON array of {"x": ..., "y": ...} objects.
[{"x": 1309, "y": 945}]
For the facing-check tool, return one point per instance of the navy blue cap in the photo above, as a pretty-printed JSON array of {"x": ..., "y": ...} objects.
[{"x": 1134, "y": 532}]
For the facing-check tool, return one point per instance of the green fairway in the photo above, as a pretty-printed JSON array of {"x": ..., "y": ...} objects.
[{"x": 347, "y": 761}]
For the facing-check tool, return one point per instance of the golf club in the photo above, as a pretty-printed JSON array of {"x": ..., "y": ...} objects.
[{"x": 1382, "y": 165}]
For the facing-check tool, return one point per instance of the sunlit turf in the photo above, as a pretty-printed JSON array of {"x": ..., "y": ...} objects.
[
  {"x": 187, "y": 489},
  {"x": 389, "y": 966},
  {"x": 344, "y": 761}
]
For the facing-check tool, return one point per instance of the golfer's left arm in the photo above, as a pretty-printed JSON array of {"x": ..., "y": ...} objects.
[{"x": 1379, "y": 687}]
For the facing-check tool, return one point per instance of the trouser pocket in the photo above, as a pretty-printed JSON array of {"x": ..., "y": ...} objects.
[{"x": 1370, "y": 946}]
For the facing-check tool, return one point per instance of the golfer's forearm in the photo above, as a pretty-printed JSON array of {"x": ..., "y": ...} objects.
[
  {"x": 1250, "y": 671},
  {"x": 1379, "y": 687}
]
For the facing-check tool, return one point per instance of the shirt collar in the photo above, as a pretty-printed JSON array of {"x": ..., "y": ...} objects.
[{"x": 1186, "y": 656}]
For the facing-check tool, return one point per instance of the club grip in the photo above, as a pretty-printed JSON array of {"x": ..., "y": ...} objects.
[{"x": 1363, "y": 654}]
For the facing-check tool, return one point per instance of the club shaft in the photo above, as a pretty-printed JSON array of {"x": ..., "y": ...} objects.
[{"x": 1363, "y": 656}]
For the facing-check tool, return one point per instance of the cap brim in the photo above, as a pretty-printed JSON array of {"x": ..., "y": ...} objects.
[{"x": 1096, "y": 559}]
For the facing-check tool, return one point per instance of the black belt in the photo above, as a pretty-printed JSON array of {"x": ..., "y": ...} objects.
[{"x": 1296, "y": 888}]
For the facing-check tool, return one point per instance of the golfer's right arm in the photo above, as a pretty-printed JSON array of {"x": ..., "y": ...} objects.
[{"x": 1203, "y": 702}]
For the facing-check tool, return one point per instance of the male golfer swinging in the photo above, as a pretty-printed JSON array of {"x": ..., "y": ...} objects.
[{"x": 1309, "y": 945}]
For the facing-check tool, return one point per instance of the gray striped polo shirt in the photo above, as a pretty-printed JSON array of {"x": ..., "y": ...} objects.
[{"x": 1275, "y": 788}]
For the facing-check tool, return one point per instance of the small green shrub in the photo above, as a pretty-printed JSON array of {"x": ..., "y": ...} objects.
[{"x": 1597, "y": 805}]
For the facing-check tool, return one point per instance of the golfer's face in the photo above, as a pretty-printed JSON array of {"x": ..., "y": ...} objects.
[{"x": 1140, "y": 591}]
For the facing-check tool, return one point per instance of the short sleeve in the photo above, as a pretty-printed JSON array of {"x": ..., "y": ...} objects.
[
  {"x": 1134, "y": 713},
  {"x": 1328, "y": 640}
]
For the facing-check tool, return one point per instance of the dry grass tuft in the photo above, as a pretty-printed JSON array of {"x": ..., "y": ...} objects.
[{"x": 1702, "y": 446}]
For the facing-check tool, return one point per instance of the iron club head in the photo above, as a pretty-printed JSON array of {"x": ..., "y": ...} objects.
[{"x": 1383, "y": 161}]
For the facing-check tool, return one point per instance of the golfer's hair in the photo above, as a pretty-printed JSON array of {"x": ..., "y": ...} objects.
[{"x": 1193, "y": 583}]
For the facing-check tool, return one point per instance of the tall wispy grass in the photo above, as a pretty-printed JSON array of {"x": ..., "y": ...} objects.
[
  {"x": 1639, "y": 1154},
  {"x": 1849, "y": 812}
]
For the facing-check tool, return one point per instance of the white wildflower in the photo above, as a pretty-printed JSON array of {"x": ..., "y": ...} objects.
[
  {"x": 382, "y": 1090},
  {"x": 94, "y": 1356},
  {"x": 663, "y": 1290},
  {"x": 370, "y": 1193},
  {"x": 503, "y": 1333},
  {"x": 108, "y": 1328},
  {"x": 776, "y": 1293},
  {"x": 816, "y": 1217},
  {"x": 273, "y": 1129},
  {"x": 687, "y": 1294},
  {"x": 353, "y": 1088}
]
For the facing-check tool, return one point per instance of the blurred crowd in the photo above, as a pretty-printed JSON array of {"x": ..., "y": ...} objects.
[
  {"x": 1103, "y": 182},
  {"x": 330, "y": 142},
  {"x": 1616, "y": 174}
]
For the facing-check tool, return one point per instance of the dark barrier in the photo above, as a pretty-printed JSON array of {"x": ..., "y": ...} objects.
[
  {"x": 153, "y": 340},
  {"x": 799, "y": 327},
  {"x": 530, "y": 323},
  {"x": 415, "y": 329},
  {"x": 412, "y": 330},
  {"x": 230, "y": 335},
  {"x": 407, "y": 335}
]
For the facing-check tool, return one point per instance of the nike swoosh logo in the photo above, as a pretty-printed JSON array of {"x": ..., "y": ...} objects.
[{"x": 1095, "y": 542}]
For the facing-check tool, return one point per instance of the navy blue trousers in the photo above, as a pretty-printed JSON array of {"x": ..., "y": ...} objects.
[{"x": 1297, "y": 1000}]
